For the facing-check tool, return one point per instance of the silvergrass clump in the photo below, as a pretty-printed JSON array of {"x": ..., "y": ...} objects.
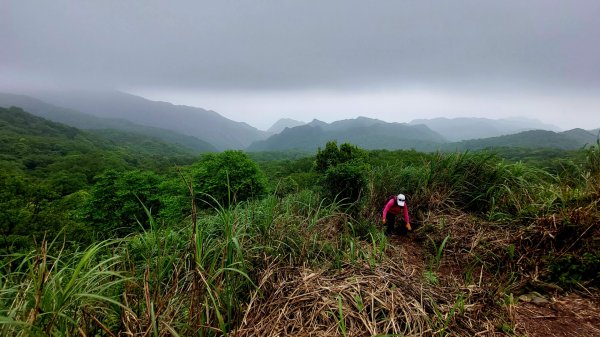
[
  {"x": 475, "y": 182},
  {"x": 222, "y": 267},
  {"x": 53, "y": 292}
]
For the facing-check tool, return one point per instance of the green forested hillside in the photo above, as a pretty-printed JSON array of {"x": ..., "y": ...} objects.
[
  {"x": 203, "y": 124},
  {"x": 47, "y": 170},
  {"x": 582, "y": 136},
  {"x": 86, "y": 121},
  {"x": 36, "y": 143},
  {"x": 375, "y": 134},
  {"x": 569, "y": 140},
  {"x": 366, "y": 133}
]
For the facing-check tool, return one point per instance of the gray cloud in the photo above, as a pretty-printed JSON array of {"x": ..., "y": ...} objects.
[
  {"x": 300, "y": 59},
  {"x": 303, "y": 44}
]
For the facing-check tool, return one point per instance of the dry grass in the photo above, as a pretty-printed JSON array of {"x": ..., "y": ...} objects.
[
  {"x": 359, "y": 301},
  {"x": 302, "y": 301}
]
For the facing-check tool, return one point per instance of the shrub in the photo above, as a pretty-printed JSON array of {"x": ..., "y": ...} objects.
[
  {"x": 343, "y": 170},
  {"x": 116, "y": 201},
  {"x": 346, "y": 181},
  {"x": 570, "y": 270},
  {"x": 228, "y": 177}
]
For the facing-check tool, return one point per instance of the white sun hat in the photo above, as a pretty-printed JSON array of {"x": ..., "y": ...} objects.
[{"x": 401, "y": 199}]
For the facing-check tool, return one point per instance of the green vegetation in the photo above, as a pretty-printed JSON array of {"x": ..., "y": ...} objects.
[
  {"x": 374, "y": 134},
  {"x": 52, "y": 177},
  {"x": 343, "y": 169},
  {"x": 227, "y": 178},
  {"x": 101, "y": 239}
]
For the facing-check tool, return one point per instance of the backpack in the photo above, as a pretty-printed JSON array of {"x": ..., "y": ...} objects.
[{"x": 392, "y": 196}]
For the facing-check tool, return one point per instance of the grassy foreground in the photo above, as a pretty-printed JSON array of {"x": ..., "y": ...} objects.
[{"x": 485, "y": 233}]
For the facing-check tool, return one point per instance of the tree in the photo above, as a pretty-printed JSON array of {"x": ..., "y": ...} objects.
[
  {"x": 332, "y": 156},
  {"x": 328, "y": 157},
  {"x": 343, "y": 170},
  {"x": 175, "y": 202},
  {"x": 115, "y": 204},
  {"x": 346, "y": 180},
  {"x": 228, "y": 177},
  {"x": 29, "y": 210},
  {"x": 14, "y": 207}
]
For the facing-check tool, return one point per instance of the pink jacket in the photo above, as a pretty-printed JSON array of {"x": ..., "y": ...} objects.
[{"x": 393, "y": 208}]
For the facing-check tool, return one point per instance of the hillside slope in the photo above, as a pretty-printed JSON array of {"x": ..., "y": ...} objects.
[
  {"x": 31, "y": 142},
  {"x": 283, "y": 123},
  {"x": 203, "y": 124},
  {"x": 568, "y": 140},
  {"x": 464, "y": 128},
  {"x": 86, "y": 121},
  {"x": 366, "y": 133}
]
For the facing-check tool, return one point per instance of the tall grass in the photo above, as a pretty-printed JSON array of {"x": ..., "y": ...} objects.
[
  {"x": 223, "y": 266},
  {"x": 474, "y": 182},
  {"x": 51, "y": 292},
  {"x": 203, "y": 286}
]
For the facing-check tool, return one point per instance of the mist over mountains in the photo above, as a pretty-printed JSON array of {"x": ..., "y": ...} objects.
[
  {"x": 567, "y": 140},
  {"x": 457, "y": 129},
  {"x": 283, "y": 123},
  {"x": 203, "y": 124},
  {"x": 205, "y": 131},
  {"x": 82, "y": 120}
]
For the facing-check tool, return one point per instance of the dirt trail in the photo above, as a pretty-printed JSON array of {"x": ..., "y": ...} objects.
[
  {"x": 409, "y": 252},
  {"x": 566, "y": 315},
  {"x": 570, "y": 315}
]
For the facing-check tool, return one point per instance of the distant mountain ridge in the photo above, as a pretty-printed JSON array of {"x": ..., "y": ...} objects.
[
  {"x": 345, "y": 124},
  {"x": 82, "y": 120},
  {"x": 582, "y": 136},
  {"x": 197, "y": 122},
  {"x": 567, "y": 140},
  {"x": 464, "y": 128},
  {"x": 283, "y": 123},
  {"x": 364, "y": 132},
  {"x": 371, "y": 133}
]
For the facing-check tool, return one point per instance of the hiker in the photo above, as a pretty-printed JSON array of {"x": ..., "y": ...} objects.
[{"x": 394, "y": 205}]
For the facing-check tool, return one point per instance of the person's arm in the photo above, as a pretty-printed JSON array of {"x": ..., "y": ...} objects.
[
  {"x": 387, "y": 208},
  {"x": 406, "y": 218}
]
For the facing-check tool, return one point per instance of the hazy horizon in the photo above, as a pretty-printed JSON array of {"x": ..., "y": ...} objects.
[
  {"x": 258, "y": 62},
  {"x": 389, "y": 107}
]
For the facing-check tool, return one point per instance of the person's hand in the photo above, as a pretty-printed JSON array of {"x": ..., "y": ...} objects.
[
  {"x": 384, "y": 221},
  {"x": 408, "y": 226}
]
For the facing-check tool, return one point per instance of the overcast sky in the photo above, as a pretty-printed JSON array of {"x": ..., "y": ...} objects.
[{"x": 257, "y": 61}]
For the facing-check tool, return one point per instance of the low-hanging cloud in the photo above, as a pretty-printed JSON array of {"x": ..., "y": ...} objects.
[
  {"x": 298, "y": 44},
  {"x": 265, "y": 46}
]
